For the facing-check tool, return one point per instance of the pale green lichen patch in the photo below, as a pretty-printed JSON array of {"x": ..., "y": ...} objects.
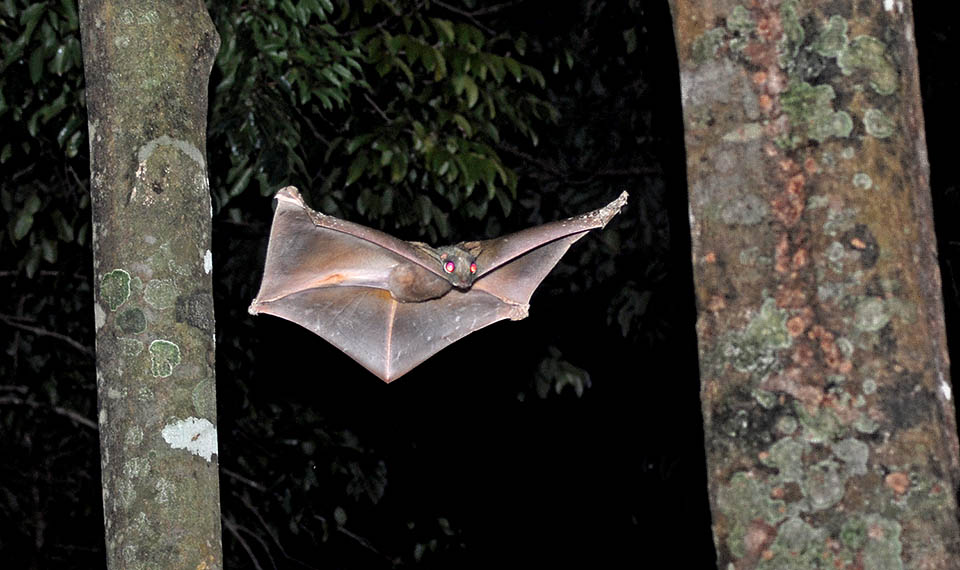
[
  {"x": 871, "y": 315},
  {"x": 164, "y": 357},
  {"x": 754, "y": 349},
  {"x": 204, "y": 400},
  {"x": 862, "y": 180},
  {"x": 823, "y": 484},
  {"x": 160, "y": 293},
  {"x": 744, "y": 133},
  {"x": 132, "y": 321},
  {"x": 786, "y": 424},
  {"x": 882, "y": 549},
  {"x": 853, "y": 533},
  {"x": 743, "y": 500},
  {"x": 832, "y": 39},
  {"x": 115, "y": 288},
  {"x": 811, "y": 113},
  {"x": 868, "y": 54},
  {"x": 798, "y": 546},
  {"x": 740, "y": 25},
  {"x": 746, "y": 210},
  {"x": 786, "y": 455},
  {"x": 136, "y": 467},
  {"x": 133, "y": 437},
  {"x": 877, "y": 124},
  {"x": 165, "y": 490},
  {"x": 130, "y": 347},
  {"x": 706, "y": 45},
  {"x": 793, "y": 34},
  {"x": 854, "y": 454},
  {"x": 819, "y": 427}
]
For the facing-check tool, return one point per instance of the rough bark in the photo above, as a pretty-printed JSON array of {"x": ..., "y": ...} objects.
[
  {"x": 831, "y": 439},
  {"x": 147, "y": 65}
]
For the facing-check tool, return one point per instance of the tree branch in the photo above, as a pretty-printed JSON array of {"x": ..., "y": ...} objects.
[
  {"x": 66, "y": 412},
  {"x": 44, "y": 332}
]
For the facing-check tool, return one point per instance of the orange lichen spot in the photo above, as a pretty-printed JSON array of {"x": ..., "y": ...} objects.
[
  {"x": 763, "y": 455},
  {"x": 788, "y": 165},
  {"x": 858, "y": 243},
  {"x": 819, "y": 332},
  {"x": 716, "y": 304},
  {"x": 796, "y": 326},
  {"x": 760, "y": 77},
  {"x": 898, "y": 481},
  {"x": 788, "y": 207},
  {"x": 759, "y": 535},
  {"x": 765, "y": 102},
  {"x": 800, "y": 258},
  {"x": 769, "y": 28},
  {"x": 795, "y": 185},
  {"x": 790, "y": 298},
  {"x": 802, "y": 355},
  {"x": 810, "y": 165},
  {"x": 767, "y": 554},
  {"x": 770, "y": 150},
  {"x": 845, "y": 367},
  {"x": 710, "y": 257},
  {"x": 778, "y": 492}
]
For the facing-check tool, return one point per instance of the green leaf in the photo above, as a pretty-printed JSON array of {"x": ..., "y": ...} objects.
[
  {"x": 241, "y": 183},
  {"x": 36, "y": 65},
  {"x": 60, "y": 63},
  {"x": 48, "y": 248},
  {"x": 64, "y": 229},
  {"x": 356, "y": 142},
  {"x": 463, "y": 124},
  {"x": 356, "y": 169},
  {"x": 513, "y": 66},
  {"x": 630, "y": 37},
  {"x": 444, "y": 29},
  {"x": 32, "y": 205},
  {"x": 521, "y": 45},
  {"x": 22, "y": 226},
  {"x": 32, "y": 261}
]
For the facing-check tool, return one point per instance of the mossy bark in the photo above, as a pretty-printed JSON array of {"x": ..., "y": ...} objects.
[
  {"x": 831, "y": 439},
  {"x": 147, "y": 65}
]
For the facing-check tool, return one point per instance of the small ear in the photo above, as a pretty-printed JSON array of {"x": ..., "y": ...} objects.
[{"x": 444, "y": 256}]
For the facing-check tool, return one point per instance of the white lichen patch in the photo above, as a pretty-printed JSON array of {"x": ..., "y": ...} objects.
[
  {"x": 946, "y": 390},
  {"x": 134, "y": 437},
  {"x": 99, "y": 316},
  {"x": 164, "y": 489},
  {"x": 207, "y": 261},
  {"x": 183, "y": 146},
  {"x": 196, "y": 435},
  {"x": 136, "y": 467},
  {"x": 889, "y": 5}
]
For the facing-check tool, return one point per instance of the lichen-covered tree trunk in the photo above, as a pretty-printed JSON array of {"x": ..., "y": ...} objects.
[
  {"x": 147, "y": 65},
  {"x": 828, "y": 409}
]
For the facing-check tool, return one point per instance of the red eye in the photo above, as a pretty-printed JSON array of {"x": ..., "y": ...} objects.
[
  {"x": 473, "y": 268},
  {"x": 449, "y": 266}
]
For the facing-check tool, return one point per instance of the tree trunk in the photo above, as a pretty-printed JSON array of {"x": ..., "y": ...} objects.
[
  {"x": 147, "y": 65},
  {"x": 831, "y": 438}
]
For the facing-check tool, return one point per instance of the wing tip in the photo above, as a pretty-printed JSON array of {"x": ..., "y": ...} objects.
[
  {"x": 607, "y": 212},
  {"x": 288, "y": 193}
]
